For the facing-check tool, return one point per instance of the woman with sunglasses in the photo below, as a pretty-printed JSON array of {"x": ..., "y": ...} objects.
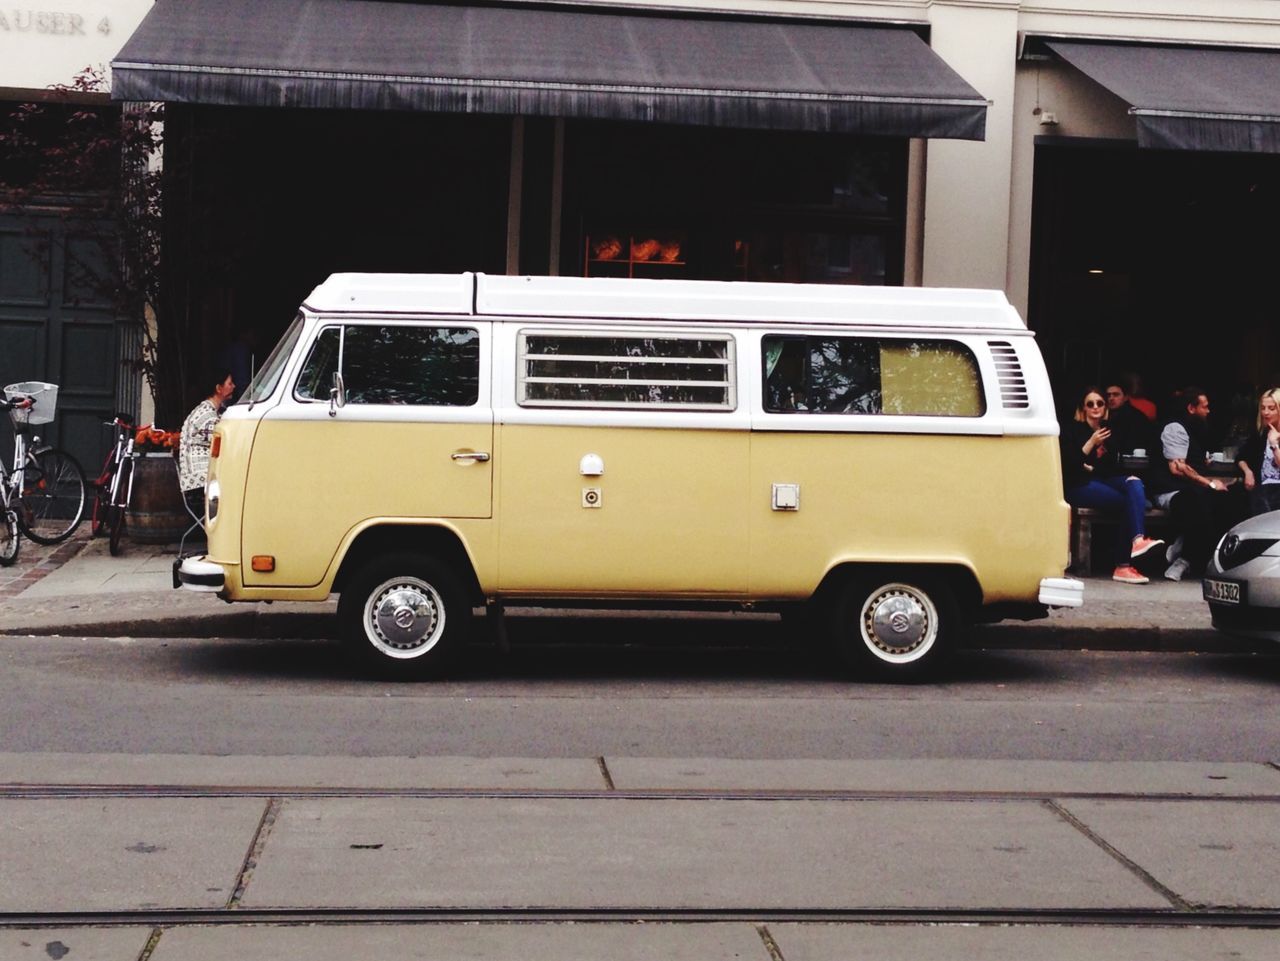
[{"x": 1091, "y": 478}]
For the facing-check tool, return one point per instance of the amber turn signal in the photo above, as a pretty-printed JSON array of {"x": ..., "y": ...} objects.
[
  {"x": 215, "y": 446},
  {"x": 263, "y": 563}
]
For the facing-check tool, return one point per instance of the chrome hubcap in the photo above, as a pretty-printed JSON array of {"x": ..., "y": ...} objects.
[
  {"x": 404, "y": 617},
  {"x": 899, "y": 623}
]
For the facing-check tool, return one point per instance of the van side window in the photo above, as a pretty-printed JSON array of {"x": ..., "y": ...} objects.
[
  {"x": 681, "y": 371},
  {"x": 870, "y": 375},
  {"x": 401, "y": 364}
]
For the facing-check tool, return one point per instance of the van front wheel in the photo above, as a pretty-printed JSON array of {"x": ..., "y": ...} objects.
[
  {"x": 405, "y": 615},
  {"x": 894, "y": 627}
]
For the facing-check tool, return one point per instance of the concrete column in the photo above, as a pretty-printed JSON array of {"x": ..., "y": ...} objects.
[
  {"x": 913, "y": 253},
  {"x": 966, "y": 232}
]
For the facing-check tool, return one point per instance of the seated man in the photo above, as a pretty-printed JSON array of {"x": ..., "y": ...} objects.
[
  {"x": 1131, "y": 430},
  {"x": 1202, "y": 507}
]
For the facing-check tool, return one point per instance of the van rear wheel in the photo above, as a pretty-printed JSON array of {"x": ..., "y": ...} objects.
[
  {"x": 894, "y": 625},
  {"x": 405, "y": 615}
]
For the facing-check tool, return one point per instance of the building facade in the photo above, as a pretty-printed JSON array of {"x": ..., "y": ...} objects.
[
  {"x": 54, "y": 326},
  {"x": 1111, "y": 166}
]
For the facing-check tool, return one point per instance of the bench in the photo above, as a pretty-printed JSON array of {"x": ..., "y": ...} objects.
[{"x": 1083, "y": 520}]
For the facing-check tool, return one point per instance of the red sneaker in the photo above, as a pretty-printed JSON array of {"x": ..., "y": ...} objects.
[
  {"x": 1143, "y": 544},
  {"x": 1129, "y": 575}
]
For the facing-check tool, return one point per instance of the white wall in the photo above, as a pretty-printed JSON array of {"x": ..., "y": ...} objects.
[
  {"x": 50, "y": 41},
  {"x": 966, "y": 213}
]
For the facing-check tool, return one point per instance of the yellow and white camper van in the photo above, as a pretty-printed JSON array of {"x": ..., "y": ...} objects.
[{"x": 425, "y": 444}]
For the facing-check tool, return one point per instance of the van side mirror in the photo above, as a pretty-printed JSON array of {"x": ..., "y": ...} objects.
[{"x": 337, "y": 394}]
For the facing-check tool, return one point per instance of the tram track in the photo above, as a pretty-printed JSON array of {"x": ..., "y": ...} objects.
[
  {"x": 50, "y": 791},
  {"x": 764, "y": 914}
]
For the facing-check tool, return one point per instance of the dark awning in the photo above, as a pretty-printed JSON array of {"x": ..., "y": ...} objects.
[
  {"x": 547, "y": 61},
  {"x": 1189, "y": 98}
]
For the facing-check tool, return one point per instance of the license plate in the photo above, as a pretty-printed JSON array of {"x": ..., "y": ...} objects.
[{"x": 1222, "y": 592}]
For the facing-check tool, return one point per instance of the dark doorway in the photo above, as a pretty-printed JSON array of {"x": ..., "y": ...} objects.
[
  {"x": 56, "y": 325},
  {"x": 1158, "y": 262},
  {"x": 264, "y": 204}
]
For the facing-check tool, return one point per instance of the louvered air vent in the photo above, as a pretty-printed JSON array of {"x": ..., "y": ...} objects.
[{"x": 1013, "y": 385}]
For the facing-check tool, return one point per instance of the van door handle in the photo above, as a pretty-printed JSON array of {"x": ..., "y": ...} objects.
[{"x": 478, "y": 456}]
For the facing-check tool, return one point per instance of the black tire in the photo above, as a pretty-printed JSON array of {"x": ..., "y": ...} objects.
[
  {"x": 53, "y": 496},
  {"x": 895, "y": 625},
  {"x": 117, "y": 522},
  {"x": 98, "y": 519},
  {"x": 10, "y": 538},
  {"x": 115, "y": 529},
  {"x": 101, "y": 501},
  {"x": 405, "y": 615}
]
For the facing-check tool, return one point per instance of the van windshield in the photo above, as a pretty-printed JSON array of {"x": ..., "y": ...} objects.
[{"x": 264, "y": 381}]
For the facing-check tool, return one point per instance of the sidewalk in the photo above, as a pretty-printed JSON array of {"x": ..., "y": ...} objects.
[{"x": 79, "y": 588}]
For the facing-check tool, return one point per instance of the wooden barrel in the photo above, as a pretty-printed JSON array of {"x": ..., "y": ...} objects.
[{"x": 156, "y": 511}]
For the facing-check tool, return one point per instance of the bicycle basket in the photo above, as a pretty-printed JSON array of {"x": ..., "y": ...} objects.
[{"x": 45, "y": 397}]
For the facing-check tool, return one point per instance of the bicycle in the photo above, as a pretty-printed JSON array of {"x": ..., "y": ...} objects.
[
  {"x": 114, "y": 485},
  {"x": 43, "y": 494}
]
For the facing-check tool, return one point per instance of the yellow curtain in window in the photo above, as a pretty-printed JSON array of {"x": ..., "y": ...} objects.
[{"x": 930, "y": 377}]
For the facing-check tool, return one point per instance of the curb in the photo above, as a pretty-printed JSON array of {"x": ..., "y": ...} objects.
[
  {"x": 997, "y": 637},
  {"x": 323, "y": 626}
]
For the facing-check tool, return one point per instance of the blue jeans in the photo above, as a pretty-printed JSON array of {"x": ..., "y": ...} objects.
[{"x": 1123, "y": 497}]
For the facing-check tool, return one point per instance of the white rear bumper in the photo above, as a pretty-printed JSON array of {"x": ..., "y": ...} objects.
[{"x": 1061, "y": 592}]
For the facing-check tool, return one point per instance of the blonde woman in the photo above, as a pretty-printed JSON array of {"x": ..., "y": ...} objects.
[
  {"x": 1260, "y": 456},
  {"x": 1091, "y": 478}
]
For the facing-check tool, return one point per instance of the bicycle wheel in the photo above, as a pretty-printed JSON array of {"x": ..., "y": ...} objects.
[
  {"x": 115, "y": 528},
  {"x": 102, "y": 498},
  {"x": 116, "y": 512},
  {"x": 53, "y": 496},
  {"x": 10, "y": 539}
]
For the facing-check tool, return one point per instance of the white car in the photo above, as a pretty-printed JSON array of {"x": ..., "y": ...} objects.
[{"x": 1242, "y": 579}]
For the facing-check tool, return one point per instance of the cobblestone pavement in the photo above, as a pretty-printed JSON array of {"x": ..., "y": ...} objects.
[{"x": 36, "y": 562}]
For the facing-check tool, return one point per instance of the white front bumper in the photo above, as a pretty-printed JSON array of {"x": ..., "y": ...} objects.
[
  {"x": 198, "y": 574},
  {"x": 1061, "y": 592}
]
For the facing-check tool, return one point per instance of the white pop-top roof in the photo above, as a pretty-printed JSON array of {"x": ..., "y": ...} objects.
[{"x": 599, "y": 298}]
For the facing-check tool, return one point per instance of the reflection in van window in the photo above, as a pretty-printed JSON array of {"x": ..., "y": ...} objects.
[
  {"x": 435, "y": 366},
  {"x": 868, "y": 375},
  {"x": 263, "y": 383},
  {"x": 610, "y": 370}
]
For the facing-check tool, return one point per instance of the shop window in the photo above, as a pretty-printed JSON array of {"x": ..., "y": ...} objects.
[
  {"x": 864, "y": 375},
  {"x": 428, "y": 366},
  {"x": 818, "y": 257},
  {"x": 778, "y": 206},
  {"x": 691, "y": 372},
  {"x": 635, "y": 253}
]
